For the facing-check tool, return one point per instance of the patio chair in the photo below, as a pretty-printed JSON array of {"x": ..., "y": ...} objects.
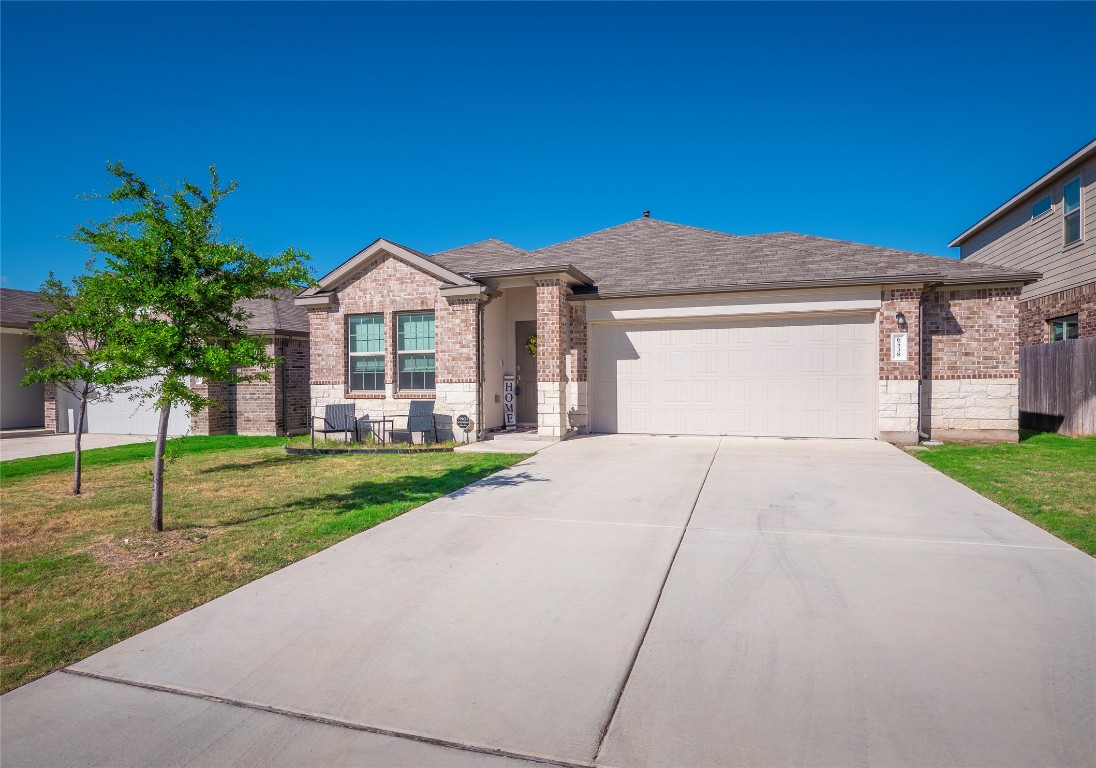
[
  {"x": 337, "y": 417},
  {"x": 421, "y": 420}
]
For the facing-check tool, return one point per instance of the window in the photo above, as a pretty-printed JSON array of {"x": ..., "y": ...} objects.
[
  {"x": 1041, "y": 207},
  {"x": 1063, "y": 328},
  {"x": 415, "y": 350},
  {"x": 366, "y": 347},
  {"x": 1071, "y": 210}
]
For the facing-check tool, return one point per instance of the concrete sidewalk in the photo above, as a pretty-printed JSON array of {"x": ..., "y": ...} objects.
[
  {"x": 44, "y": 445},
  {"x": 622, "y": 601}
]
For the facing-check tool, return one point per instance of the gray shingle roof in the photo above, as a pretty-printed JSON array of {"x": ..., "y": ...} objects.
[
  {"x": 484, "y": 256},
  {"x": 652, "y": 256},
  {"x": 276, "y": 315},
  {"x": 17, "y": 308}
]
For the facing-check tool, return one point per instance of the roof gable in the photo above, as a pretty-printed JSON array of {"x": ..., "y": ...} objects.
[{"x": 376, "y": 250}]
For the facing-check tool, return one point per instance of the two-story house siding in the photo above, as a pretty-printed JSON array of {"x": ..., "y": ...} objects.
[{"x": 1035, "y": 230}]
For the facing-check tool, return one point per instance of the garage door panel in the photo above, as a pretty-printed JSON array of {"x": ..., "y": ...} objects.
[
  {"x": 129, "y": 413},
  {"x": 803, "y": 376}
]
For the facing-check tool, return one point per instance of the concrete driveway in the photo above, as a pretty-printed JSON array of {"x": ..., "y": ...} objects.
[
  {"x": 622, "y": 601},
  {"x": 43, "y": 445}
]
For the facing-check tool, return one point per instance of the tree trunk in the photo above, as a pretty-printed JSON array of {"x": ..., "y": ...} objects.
[
  {"x": 158, "y": 470},
  {"x": 79, "y": 456}
]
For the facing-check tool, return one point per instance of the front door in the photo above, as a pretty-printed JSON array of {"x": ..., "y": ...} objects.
[{"x": 526, "y": 372}]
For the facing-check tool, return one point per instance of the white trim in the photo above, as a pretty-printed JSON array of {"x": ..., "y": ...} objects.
[
  {"x": 376, "y": 250},
  {"x": 1079, "y": 178},
  {"x": 432, "y": 352},
  {"x": 1049, "y": 195},
  {"x": 706, "y": 306},
  {"x": 351, "y": 355},
  {"x": 465, "y": 292}
]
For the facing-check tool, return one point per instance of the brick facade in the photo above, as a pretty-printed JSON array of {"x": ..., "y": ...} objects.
[
  {"x": 962, "y": 384},
  {"x": 1035, "y": 314},
  {"x": 553, "y": 338},
  {"x": 970, "y": 382},
  {"x": 893, "y": 301},
  {"x": 552, "y": 327},
  {"x": 972, "y": 334},
  {"x": 388, "y": 287},
  {"x": 965, "y": 385},
  {"x": 49, "y": 393},
  {"x": 275, "y": 407}
]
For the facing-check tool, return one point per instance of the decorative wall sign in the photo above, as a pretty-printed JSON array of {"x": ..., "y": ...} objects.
[
  {"x": 509, "y": 404},
  {"x": 900, "y": 351}
]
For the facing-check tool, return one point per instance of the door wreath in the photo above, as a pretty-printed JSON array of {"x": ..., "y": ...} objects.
[{"x": 531, "y": 345}]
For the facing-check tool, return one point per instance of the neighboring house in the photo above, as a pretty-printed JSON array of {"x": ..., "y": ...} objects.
[
  {"x": 278, "y": 406},
  {"x": 1048, "y": 227},
  {"x": 275, "y": 407},
  {"x": 20, "y": 407},
  {"x": 653, "y": 327}
]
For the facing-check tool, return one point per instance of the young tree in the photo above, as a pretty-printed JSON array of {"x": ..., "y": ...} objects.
[
  {"x": 69, "y": 345},
  {"x": 179, "y": 284}
]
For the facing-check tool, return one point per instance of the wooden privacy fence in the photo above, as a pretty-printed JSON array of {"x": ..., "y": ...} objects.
[{"x": 1058, "y": 387}]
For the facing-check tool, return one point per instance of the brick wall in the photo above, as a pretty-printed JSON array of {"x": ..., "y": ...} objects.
[
  {"x": 552, "y": 317},
  {"x": 388, "y": 287},
  {"x": 1034, "y": 314},
  {"x": 553, "y": 332},
  {"x": 253, "y": 405},
  {"x": 906, "y": 301},
  {"x": 257, "y": 407},
  {"x": 295, "y": 353},
  {"x": 972, "y": 334},
  {"x": 216, "y": 419},
  {"x": 49, "y": 392}
]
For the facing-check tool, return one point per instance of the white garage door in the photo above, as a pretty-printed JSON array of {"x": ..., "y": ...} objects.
[
  {"x": 122, "y": 416},
  {"x": 801, "y": 376}
]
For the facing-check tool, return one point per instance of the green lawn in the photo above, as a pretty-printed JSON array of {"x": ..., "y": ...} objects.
[
  {"x": 1047, "y": 479},
  {"x": 80, "y": 573}
]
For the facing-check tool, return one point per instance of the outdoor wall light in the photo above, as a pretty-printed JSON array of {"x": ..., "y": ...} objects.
[{"x": 900, "y": 318}]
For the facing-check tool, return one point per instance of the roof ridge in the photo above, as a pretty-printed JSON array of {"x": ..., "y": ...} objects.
[
  {"x": 630, "y": 222},
  {"x": 481, "y": 242}
]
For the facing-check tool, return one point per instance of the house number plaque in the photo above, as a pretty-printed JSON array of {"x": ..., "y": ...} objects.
[{"x": 900, "y": 351}]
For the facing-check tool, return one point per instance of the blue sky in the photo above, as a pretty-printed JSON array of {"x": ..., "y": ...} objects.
[{"x": 439, "y": 125}]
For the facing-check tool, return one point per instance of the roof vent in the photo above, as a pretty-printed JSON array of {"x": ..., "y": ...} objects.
[{"x": 646, "y": 214}]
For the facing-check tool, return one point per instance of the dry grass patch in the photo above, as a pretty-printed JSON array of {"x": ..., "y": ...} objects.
[{"x": 80, "y": 573}]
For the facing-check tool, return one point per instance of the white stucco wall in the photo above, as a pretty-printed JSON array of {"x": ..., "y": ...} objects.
[{"x": 494, "y": 359}]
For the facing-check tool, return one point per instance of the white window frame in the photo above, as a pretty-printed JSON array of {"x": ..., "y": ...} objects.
[
  {"x": 1079, "y": 211},
  {"x": 1048, "y": 196},
  {"x": 400, "y": 353},
  {"x": 350, "y": 355}
]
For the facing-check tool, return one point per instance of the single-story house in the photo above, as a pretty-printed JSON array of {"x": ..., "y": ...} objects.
[
  {"x": 279, "y": 406},
  {"x": 1049, "y": 226},
  {"x": 654, "y": 327},
  {"x": 20, "y": 407}
]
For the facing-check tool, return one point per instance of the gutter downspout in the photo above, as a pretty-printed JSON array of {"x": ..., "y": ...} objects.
[{"x": 927, "y": 291}]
